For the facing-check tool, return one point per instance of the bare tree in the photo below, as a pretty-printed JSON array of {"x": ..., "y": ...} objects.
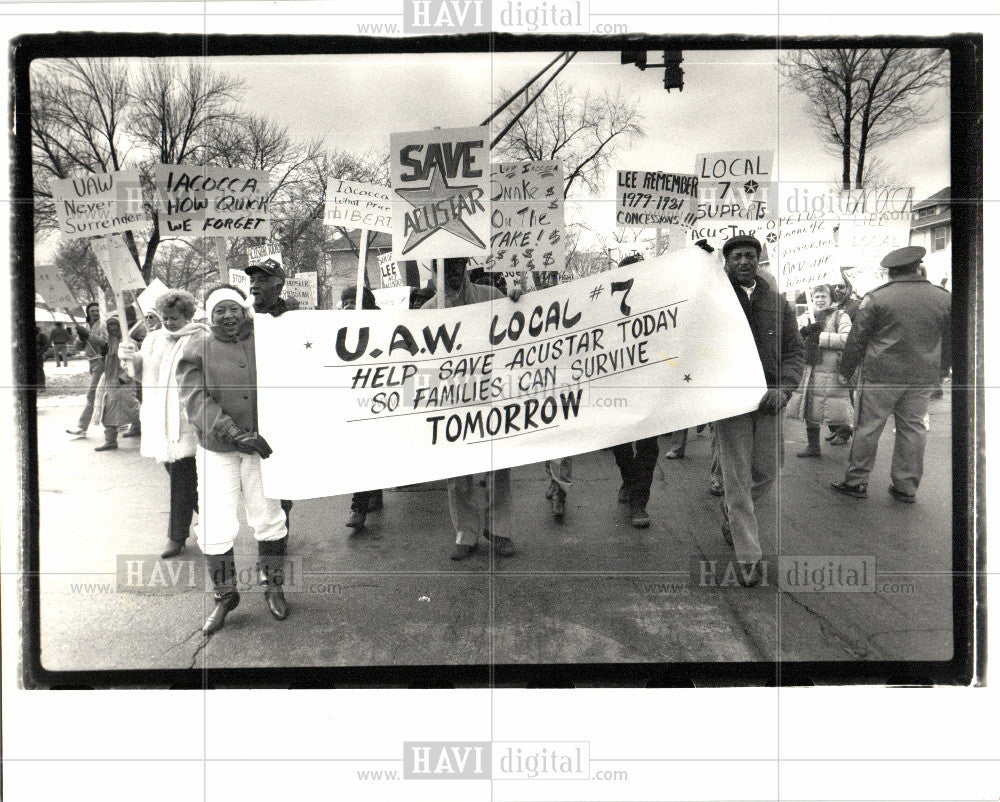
[
  {"x": 583, "y": 130},
  {"x": 861, "y": 98}
]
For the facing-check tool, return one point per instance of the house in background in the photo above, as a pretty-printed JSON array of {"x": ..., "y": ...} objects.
[{"x": 931, "y": 229}]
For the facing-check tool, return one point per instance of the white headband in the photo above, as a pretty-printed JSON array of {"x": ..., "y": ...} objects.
[{"x": 227, "y": 294}]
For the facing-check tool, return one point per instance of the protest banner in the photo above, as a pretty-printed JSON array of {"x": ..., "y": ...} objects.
[
  {"x": 528, "y": 228},
  {"x": 239, "y": 278},
  {"x": 803, "y": 255},
  {"x": 867, "y": 243},
  {"x": 734, "y": 185},
  {"x": 440, "y": 182},
  {"x": 261, "y": 253},
  {"x": 99, "y": 204},
  {"x": 117, "y": 263},
  {"x": 392, "y": 297},
  {"x": 148, "y": 297},
  {"x": 865, "y": 279},
  {"x": 388, "y": 271},
  {"x": 626, "y": 354},
  {"x": 655, "y": 199},
  {"x": 51, "y": 286},
  {"x": 303, "y": 288},
  {"x": 212, "y": 201},
  {"x": 353, "y": 204}
]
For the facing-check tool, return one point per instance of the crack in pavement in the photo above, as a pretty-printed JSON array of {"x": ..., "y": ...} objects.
[
  {"x": 202, "y": 645},
  {"x": 832, "y": 633}
]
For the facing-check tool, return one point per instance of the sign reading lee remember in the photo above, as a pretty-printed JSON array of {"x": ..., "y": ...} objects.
[
  {"x": 655, "y": 200},
  {"x": 212, "y": 201},
  {"x": 440, "y": 182},
  {"x": 352, "y": 204},
  {"x": 98, "y": 204},
  {"x": 528, "y": 227},
  {"x": 626, "y": 354}
]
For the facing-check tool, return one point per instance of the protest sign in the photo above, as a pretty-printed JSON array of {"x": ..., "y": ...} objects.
[
  {"x": 867, "y": 243},
  {"x": 148, "y": 297},
  {"x": 392, "y": 297},
  {"x": 655, "y": 199},
  {"x": 626, "y": 354},
  {"x": 261, "y": 253},
  {"x": 239, "y": 278},
  {"x": 303, "y": 288},
  {"x": 527, "y": 223},
  {"x": 118, "y": 265},
  {"x": 440, "y": 183},
  {"x": 388, "y": 271},
  {"x": 734, "y": 185},
  {"x": 353, "y": 204},
  {"x": 802, "y": 255},
  {"x": 50, "y": 285},
  {"x": 98, "y": 204},
  {"x": 212, "y": 201},
  {"x": 865, "y": 279}
]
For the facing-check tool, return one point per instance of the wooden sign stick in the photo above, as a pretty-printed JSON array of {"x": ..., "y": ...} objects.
[{"x": 362, "y": 262}]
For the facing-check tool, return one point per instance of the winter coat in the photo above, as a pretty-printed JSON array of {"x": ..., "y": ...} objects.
[
  {"x": 218, "y": 385},
  {"x": 823, "y": 396},
  {"x": 167, "y": 434},
  {"x": 115, "y": 402},
  {"x": 779, "y": 346}
]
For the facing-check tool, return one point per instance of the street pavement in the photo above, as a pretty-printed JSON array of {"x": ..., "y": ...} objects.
[{"x": 590, "y": 590}]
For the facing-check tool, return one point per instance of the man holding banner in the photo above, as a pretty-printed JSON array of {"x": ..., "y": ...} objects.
[
  {"x": 465, "y": 510},
  {"x": 94, "y": 337},
  {"x": 750, "y": 444}
]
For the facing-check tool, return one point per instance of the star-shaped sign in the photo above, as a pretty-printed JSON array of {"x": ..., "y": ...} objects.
[
  {"x": 750, "y": 187},
  {"x": 444, "y": 218}
]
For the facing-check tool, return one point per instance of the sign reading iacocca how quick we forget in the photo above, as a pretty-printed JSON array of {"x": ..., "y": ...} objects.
[{"x": 424, "y": 394}]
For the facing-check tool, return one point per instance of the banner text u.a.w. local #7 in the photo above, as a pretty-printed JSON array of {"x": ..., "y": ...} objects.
[{"x": 418, "y": 395}]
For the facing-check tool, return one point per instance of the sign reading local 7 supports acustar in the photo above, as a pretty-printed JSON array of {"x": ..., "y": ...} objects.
[
  {"x": 734, "y": 185},
  {"x": 622, "y": 355},
  {"x": 440, "y": 201}
]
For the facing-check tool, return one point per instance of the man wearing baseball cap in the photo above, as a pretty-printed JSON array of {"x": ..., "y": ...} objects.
[
  {"x": 267, "y": 279},
  {"x": 900, "y": 340},
  {"x": 750, "y": 444}
]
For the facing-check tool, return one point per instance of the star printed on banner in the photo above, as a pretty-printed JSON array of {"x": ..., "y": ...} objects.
[
  {"x": 687, "y": 377},
  {"x": 308, "y": 345},
  {"x": 750, "y": 187},
  {"x": 772, "y": 238},
  {"x": 434, "y": 193}
]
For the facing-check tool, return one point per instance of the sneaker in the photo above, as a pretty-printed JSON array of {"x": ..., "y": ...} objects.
[
  {"x": 107, "y": 447},
  {"x": 899, "y": 495},
  {"x": 854, "y": 491},
  {"x": 640, "y": 518},
  {"x": 77, "y": 432}
]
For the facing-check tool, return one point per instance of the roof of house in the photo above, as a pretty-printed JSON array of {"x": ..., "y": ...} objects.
[
  {"x": 931, "y": 220},
  {"x": 941, "y": 196}
]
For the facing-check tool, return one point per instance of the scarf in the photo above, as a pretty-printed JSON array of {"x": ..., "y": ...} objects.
[{"x": 813, "y": 355}]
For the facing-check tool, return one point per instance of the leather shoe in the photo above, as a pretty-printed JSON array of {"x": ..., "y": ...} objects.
[
  {"x": 275, "y": 598},
  {"x": 748, "y": 574},
  {"x": 640, "y": 518},
  {"x": 899, "y": 495},
  {"x": 77, "y": 432},
  {"x": 174, "y": 547},
  {"x": 810, "y": 452},
  {"x": 132, "y": 431},
  {"x": 559, "y": 505},
  {"x": 107, "y": 447},
  {"x": 463, "y": 551},
  {"x": 854, "y": 491},
  {"x": 623, "y": 494},
  {"x": 716, "y": 489},
  {"x": 223, "y": 606},
  {"x": 356, "y": 520}
]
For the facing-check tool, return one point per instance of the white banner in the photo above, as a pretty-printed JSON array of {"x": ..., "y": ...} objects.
[
  {"x": 116, "y": 261},
  {"x": 50, "y": 285},
  {"x": 734, "y": 185},
  {"x": 261, "y": 253},
  {"x": 388, "y": 270},
  {"x": 148, "y": 297},
  {"x": 212, "y": 201},
  {"x": 99, "y": 204},
  {"x": 441, "y": 202},
  {"x": 527, "y": 221},
  {"x": 865, "y": 279},
  {"x": 303, "y": 288},
  {"x": 626, "y": 354},
  {"x": 353, "y": 204},
  {"x": 803, "y": 255}
]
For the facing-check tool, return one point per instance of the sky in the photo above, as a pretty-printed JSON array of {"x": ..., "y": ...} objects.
[{"x": 732, "y": 100}]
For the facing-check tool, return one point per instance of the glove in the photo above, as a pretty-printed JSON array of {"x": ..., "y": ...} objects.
[
  {"x": 252, "y": 443},
  {"x": 127, "y": 351},
  {"x": 811, "y": 330},
  {"x": 773, "y": 401},
  {"x": 515, "y": 294}
]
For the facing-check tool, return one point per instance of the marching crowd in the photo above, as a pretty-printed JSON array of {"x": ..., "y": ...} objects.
[{"x": 189, "y": 390}]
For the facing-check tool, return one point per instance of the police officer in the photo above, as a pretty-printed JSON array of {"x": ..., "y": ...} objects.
[{"x": 900, "y": 340}]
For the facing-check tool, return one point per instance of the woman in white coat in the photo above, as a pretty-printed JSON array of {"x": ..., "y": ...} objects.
[{"x": 167, "y": 435}]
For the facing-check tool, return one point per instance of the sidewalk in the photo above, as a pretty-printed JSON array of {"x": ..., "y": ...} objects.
[{"x": 593, "y": 589}]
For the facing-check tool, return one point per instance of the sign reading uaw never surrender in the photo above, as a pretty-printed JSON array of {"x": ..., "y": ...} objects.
[{"x": 427, "y": 394}]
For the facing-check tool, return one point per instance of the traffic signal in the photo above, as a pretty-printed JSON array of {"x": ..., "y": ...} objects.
[
  {"x": 637, "y": 57},
  {"x": 673, "y": 75}
]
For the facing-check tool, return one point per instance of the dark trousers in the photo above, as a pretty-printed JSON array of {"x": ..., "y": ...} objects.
[
  {"x": 183, "y": 496},
  {"x": 637, "y": 461},
  {"x": 366, "y": 501}
]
